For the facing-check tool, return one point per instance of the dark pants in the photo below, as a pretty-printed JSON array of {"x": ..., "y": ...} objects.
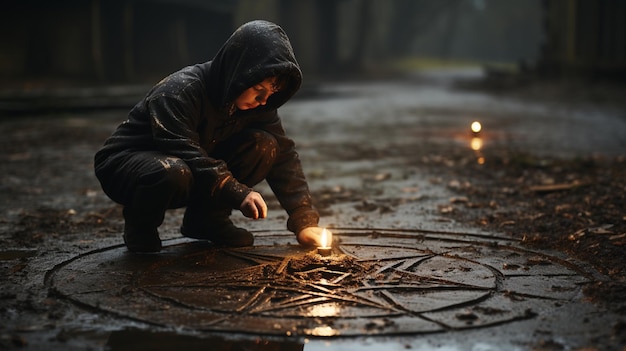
[{"x": 148, "y": 183}]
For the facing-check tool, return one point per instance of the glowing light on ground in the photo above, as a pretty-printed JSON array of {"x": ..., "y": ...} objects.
[
  {"x": 476, "y": 144},
  {"x": 324, "y": 310}
]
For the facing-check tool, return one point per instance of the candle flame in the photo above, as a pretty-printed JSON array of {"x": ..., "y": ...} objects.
[{"x": 324, "y": 238}]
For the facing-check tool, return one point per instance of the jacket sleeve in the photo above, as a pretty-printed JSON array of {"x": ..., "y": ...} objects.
[
  {"x": 287, "y": 179},
  {"x": 175, "y": 120}
]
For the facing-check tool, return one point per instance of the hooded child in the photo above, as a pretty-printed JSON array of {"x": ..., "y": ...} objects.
[{"x": 203, "y": 137}]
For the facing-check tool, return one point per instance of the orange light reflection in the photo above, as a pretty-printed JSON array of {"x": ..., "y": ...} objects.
[
  {"x": 324, "y": 331},
  {"x": 476, "y": 144},
  {"x": 324, "y": 310}
]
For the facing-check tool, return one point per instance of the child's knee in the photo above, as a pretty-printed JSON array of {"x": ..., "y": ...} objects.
[
  {"x": 176, "y": 173},
  {"x": 266, "y": 146}
]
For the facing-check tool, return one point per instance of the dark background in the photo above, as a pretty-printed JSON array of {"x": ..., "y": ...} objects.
[{"x": 98, "y": 42}]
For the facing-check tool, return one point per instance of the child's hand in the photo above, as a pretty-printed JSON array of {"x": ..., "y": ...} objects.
[
  {"x": 253, "y": 206},
  {"x": 311, "y": 236}
]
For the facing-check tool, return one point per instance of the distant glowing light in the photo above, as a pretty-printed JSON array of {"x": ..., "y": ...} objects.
[{"x": 476, "y": 127}]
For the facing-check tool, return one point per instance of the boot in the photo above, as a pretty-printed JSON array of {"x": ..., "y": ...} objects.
[
  {"x": 140, "y": 240},
  {"x": 140, "y": 236},
  {"x": 216, "y": 227}
]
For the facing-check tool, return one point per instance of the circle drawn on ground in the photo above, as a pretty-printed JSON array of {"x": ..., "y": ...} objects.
[{"x": 378, "y": 282}]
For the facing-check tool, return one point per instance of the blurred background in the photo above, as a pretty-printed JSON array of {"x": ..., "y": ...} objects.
[{"x": 78, "y": 43}]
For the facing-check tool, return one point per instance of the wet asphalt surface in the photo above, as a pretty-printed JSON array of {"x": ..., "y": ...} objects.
[{"x": 356, "y": 141}]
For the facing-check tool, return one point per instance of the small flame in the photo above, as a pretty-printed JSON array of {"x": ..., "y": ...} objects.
[
  {"x": 476, "y": 127},
  {"x": 324, "y": 238}
]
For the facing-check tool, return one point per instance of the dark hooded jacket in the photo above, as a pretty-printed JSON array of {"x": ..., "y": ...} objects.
[{"x": 186, "y": 114}]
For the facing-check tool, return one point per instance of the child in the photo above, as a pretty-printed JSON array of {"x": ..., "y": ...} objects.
[{"x": 203, "y": 137}]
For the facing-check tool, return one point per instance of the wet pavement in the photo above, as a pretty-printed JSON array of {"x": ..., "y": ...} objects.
[
  {"x": 402, "y": 276},
  {"x": 376, "y": 282}
]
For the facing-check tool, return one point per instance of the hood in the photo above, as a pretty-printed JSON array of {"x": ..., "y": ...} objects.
[{"x": 255, "y": 51}]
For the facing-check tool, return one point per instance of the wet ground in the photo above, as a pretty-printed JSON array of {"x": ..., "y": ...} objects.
[{"x": 510, "y": 239}]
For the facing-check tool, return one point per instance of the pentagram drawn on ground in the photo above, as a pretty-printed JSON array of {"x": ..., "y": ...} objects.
[{"x": 376, "y": 282}]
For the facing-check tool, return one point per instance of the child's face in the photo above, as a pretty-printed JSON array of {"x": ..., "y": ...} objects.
[{"x": 256, "y": 95}]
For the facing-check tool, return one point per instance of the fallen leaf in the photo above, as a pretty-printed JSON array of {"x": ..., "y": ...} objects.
[
  {"x": 601, "y": 229},
  {"x": 555, "y": 187},
  {"x": 459, "y": 199},
  {"x": 382, "y": 176},
  {"x": 446, "y": 209}
]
